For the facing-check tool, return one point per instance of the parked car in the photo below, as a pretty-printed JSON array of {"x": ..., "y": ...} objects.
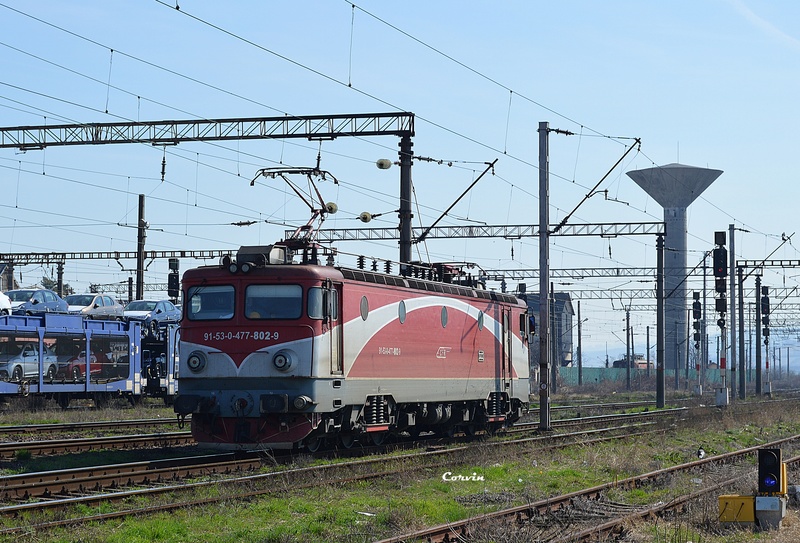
[
  {"x": 152, "y": 313},
  {"x": 5, "y": 304},
  {"x": 36, "y": 301},
  {"x": 20, "y": 360},
  {"x": 95, "y": 306},
  {"x": 75, "y": 367}
]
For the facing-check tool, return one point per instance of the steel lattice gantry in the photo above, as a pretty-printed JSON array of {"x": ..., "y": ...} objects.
[
  {"x": 488, "y": 231},
  {"x": 172, "y": 132},
  {"x": 24, "y": 259},
  {"x": 312, "y": 127}
]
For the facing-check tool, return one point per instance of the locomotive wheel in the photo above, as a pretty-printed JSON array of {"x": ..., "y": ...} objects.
[
  {"x": 379, "y": 438},
  {"x": 493, "y": 428},
  {"x": 314, "y": 444},
  {"x": 347, "y": 440}
]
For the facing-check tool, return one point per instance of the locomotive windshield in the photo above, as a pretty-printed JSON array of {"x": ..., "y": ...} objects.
[
  {"x": 273, "y": 302},
  {"x": 210, "y": 303}
]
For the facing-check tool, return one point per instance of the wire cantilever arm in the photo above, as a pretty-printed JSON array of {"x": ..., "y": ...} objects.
[
  {"x": 443, "y": 215},
  {"x": 591, "y": 192}
]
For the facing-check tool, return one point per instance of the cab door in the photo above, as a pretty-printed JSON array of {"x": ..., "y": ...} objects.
[
  {"x": 506, "y": 371},
  {"x": 333, "y": 294}
]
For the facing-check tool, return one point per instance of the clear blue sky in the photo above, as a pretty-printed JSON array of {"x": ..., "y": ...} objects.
[{"x": 711, "y": 83}]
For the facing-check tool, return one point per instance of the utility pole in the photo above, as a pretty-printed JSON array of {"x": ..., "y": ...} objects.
[
  {"x": 763, "y": 303},
  {"x": 580, "y": 352},
  {"x": 405, "y": 202},
  {"x": 142, "y": 228},
  {"x": 660, "y": 377},
  {"x": 742, "y": 368},
  {"x": 704, "y": 325},
  {"x": 758, "y": 336},
  {"x": 732, "y": 328},
  {"x": 677, "y": 361},
  {"x": 628, "y": 358},
  {"x": 544, "y": 277}
]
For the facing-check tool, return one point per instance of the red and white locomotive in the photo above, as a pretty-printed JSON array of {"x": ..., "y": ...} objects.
[{"x": 279, "y": 354}]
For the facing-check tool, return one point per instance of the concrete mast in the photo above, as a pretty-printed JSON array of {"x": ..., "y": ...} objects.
[{"x": 674, "y": 187}]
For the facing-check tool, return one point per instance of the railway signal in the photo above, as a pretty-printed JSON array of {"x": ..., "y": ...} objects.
[
  {"x": 697, "y": 315},
  {"x": 770, "y": 471},
  {"x": 767, "y": 508},
  {"x": 720, "y": 260},
  {"x": 174, "y": 279}
]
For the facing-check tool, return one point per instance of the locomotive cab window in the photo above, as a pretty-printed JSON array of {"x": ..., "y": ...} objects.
[
  {"x": 210, "y": 303},
  {"x": 273, "y": 302},
  {"x": 323, "y": 303}
]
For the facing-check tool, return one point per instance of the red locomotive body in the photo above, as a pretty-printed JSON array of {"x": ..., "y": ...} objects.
[{"x": 281, "y": 355}]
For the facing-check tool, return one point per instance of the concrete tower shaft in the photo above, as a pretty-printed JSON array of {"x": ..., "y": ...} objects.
[{"x": 674, "y": 187}]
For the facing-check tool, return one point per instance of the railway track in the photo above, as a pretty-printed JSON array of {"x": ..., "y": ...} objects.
[
  {"x": 12, "y": 450},
  {"x": 63, "y": 491},
  {"x": 67, "y": 427},
  {"x": 539, "y": 514},
  {"x": 76, "y": 481},
  {"x": 599, "y": 419},
  {"x": 230, "y": 483}
]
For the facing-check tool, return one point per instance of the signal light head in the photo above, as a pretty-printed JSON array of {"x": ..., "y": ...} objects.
[
  {"x": 720, "y": 257},
  {"x": 770, "y": 470}
]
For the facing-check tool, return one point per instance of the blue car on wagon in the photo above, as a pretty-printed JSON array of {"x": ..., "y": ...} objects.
[{"x": 36, "y": 302}]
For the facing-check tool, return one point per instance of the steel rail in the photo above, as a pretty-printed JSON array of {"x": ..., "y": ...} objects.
[
  {"x": 459, "y": 530},
  {"x": 249, "y": 481},
  {"x": 58, "y": 446},
  {"x": 80, "y": 426},
  {"x": 49, "y": 484},
  {"x": 615, "y": 525}
]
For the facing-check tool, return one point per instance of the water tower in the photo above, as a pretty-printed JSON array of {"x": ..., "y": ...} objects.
[{"x": 674, "y": 187}]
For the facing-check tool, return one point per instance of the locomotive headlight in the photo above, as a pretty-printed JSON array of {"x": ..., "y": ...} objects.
[
  {"x": 301, "y": 402},
  {"x": 196, "y": 362},
  {"x": 282, "y": 360}
]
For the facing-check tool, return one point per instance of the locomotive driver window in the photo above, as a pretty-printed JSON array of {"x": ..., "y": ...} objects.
[
  {"x": 210, "y": 303},
  {"x": 273, "y": 302}
]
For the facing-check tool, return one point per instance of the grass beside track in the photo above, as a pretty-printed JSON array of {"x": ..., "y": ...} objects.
[{"x": 483, "y": 481}]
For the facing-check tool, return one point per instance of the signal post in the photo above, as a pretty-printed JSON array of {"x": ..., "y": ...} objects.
[{"x": 720, "y": 273}]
